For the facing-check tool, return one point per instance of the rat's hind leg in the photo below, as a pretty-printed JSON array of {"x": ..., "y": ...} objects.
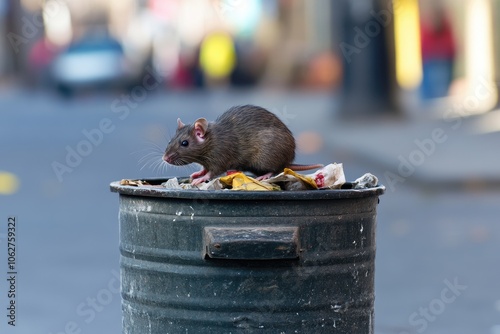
[
  {"x": 264, "y": 177},
  {"x": 198, "y": 174}
]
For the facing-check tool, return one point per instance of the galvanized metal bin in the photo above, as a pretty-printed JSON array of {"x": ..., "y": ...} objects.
[{"x": 247, "y": 262}]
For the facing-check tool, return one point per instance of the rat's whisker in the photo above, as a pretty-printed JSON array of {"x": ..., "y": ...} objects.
[
  {"x": 153, "y": 147},
  {"x": 149, "y": 161},
  {"x": 158, "y": 148},
  {"x": 156, "y": 166},
  {"x": 165, "y": 168},
  {"x": 148, "y": 156}
]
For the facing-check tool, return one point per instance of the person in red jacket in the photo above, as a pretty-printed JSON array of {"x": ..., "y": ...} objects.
[{"x": 438, "y": 52}]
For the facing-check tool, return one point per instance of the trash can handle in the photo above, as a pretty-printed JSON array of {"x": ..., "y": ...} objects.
[{"x": 251, "y": 243}]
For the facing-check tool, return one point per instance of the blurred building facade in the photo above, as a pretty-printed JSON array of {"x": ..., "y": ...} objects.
[{"x": 283, "y": 43}]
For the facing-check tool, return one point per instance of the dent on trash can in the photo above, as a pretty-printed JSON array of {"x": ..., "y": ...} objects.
[{"x": 247, "y": 261}]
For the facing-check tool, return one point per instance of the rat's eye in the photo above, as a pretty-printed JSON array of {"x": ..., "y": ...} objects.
[{"x": 184, "y": 143}]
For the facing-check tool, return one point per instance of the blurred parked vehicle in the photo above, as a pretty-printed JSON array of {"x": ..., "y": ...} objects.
[{"x": 93, "y": 62}]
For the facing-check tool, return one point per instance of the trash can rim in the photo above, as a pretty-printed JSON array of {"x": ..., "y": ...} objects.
[{"x": 241, "y": 195}]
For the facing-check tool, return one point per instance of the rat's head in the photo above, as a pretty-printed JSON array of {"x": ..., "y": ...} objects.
[{"x": 189, "y": 143}]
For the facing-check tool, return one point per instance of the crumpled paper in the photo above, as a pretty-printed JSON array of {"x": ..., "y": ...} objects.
[
  {"x": 366, "y": 181},
  {"x": 331, "y": 176},
  {"x": 174, "y": 183},
  {"x": 290, "y": 180}
]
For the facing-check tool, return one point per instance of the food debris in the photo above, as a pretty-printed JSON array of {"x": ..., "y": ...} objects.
[{"x": 136, "y": 183}]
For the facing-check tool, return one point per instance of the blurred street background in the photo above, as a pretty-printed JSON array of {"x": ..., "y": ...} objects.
[{"x": 405, "y": 89}]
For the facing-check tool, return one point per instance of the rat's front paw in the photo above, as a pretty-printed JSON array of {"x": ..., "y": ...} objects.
[{"x": 207, "y": 176}]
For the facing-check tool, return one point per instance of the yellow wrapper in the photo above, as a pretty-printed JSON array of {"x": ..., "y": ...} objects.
[
  {"x": 303, "y": 178},
  {"x": 240, "y": 181}
]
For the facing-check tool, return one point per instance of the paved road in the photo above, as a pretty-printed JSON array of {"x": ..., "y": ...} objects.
[{"x": 438, "y": 251}]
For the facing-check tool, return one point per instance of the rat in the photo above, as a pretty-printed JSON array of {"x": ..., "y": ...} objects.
[{"x": 245, "y": 138}]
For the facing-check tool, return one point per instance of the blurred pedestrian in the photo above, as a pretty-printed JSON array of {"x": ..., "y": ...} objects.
[
  {"x": 438, "y": 52},
  {"x": 217, "y": 58},
  {"x": 39, "y": 59}
]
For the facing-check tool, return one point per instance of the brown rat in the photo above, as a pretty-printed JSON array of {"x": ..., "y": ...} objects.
[{"x": 246, "y": 138}]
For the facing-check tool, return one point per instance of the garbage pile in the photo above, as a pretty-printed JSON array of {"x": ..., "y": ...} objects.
[{"x": 329, "y": 177}]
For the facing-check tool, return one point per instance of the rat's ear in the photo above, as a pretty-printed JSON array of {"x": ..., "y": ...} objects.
[
  {"x": 200, "y": 128},
  {"x": 179, "y": 123}
]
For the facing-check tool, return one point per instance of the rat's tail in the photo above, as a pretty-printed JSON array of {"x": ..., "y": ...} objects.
[{"x": 297, "y": 167}]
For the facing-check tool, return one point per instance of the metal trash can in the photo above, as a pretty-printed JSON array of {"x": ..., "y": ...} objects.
[{"x": 247, "y": 262}]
